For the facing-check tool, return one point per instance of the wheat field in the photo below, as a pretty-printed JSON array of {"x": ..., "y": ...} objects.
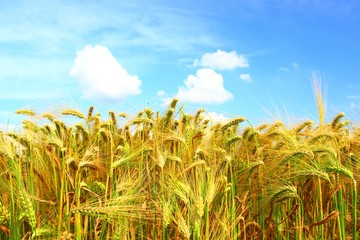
[{"x": 174, "y": 175}]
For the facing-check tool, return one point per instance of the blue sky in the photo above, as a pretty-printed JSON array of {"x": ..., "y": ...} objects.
[{"x": 246, "y": 58}]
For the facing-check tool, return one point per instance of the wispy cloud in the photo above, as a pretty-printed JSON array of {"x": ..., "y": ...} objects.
[
  {"x": 7, "y": 121},
  {"x": 161, "y": 93},
  {"x": 42, "y": 49},
  {"x": 293, "y": 67},
  {"x": 206, "y": 86},
  {"x": 246, "y": 77},
  {"x": 101, "y": 76},
  {"x": 26, "y": 67},
  {"x": 7, "y": 127},
  {"x": 120, "y": 24},
  {"x": 221, "y": 60},
  {"x": 353, "y": 105},
  {"x": 284, "y": 69},
  {"x": 30, "y": 94},
  {"x": 353, "y": 97},
  {"x": 31, "y": 88},
  {"x": 354, "y": 101},
  {"x": 353, "y": 85}
]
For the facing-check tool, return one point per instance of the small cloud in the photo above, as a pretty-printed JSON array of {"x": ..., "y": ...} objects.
[
  {"x": 196, "y": 63},
  {"x": 352, "y": 105},
  {"x": 284, "y": 69},
  {"x": 101, "y": 76},
  {"x": 166, "y": 101},
  {"x": 353, "y": 86},
  {"x": 296, "y": 66},
  {"x": 206, "y": 86},
  {"x": 7, "y": 127},
  {"x": 31, "y": 94},
  {"x": 215, "y": 117},
  {"x": 161, "y": 93},
  {"x": 354, "y": 97},
  {"x": 246, "y": 77},
  {"x": 164, "y": 98},
  {"x": 222, "y": 60}
]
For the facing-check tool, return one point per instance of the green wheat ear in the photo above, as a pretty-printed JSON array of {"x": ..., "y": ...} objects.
[
  {"x": 28, "y": 209},
  {"x": 282, "y": 193},
  {"x": 4, "y": 215}
]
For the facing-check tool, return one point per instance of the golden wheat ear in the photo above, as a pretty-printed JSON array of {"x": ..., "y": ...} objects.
[
  {"x": 232, "y": 122},
  {"x": 73, "y": 112},
  {"x": 27, "y": 112},
  {"x": 90, "y": 112}
]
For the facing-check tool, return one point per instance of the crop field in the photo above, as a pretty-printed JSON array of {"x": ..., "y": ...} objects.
[{"x": 173, "y": 175}]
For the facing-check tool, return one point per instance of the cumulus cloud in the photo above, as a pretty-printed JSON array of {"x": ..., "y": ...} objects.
[
  {"x": 215, "y": 117},
  {"x": 101, "y": 76},
  {"x": 222, "y": 60},
  {"x": 246, "y": 77},
  {"x": 206, "y": 86}
]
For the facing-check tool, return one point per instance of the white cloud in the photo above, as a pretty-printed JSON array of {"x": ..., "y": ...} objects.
[
  {"x": 166, "y": 101},
  {"x": 352, "y": 105},
  {"x": 284, "y": 69},
  {"x": 222, "y": 60},
  {"x": 246, "y": 77},
  {"x": 215, "y": 117},
  {"x": 7, "y": 127},
  {"x": 101, "y": 76},
  {"x": 206, "y": 86},
  {"x": 164, "y": 98},
  {"x": 296, "y": 66},
  {"x": 354, "y": 97},
  {"x": 30, "y": 93},
  {"x": 353, "y": 86},
  {"x": 161, "y": 93}
]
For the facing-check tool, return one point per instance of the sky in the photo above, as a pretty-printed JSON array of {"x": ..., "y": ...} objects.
[{"x": 247, "y": 58}]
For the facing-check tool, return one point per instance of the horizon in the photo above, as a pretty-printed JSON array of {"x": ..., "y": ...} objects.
[{"x": 237, "y": 58}]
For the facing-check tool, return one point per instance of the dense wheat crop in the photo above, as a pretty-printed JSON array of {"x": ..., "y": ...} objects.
[{"x": 178, "y": 176}]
